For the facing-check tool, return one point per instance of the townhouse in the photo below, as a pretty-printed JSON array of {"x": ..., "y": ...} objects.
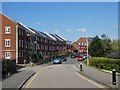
[
  {"x": 60, "y": 43},
  {"x": 8, "y": 34},
  {"x": 80, "y": 46},
  {"x": 19, "y": 41},
  {"x": 69, "y": 46}
]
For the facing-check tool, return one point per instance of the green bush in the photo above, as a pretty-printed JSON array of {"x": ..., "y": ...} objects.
[
  {"x": 8, "y": 66},
  {"x": 105, "y": 63}
]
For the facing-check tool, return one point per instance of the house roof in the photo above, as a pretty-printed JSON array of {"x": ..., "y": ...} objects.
[
  {"x": 57, "y": 39},
  {"x": 60, "y": 37},
  {"x": 54, "y": 37},
  {"x": 46, "y": 35},
  {"x": 32, "y": 31},
  {"x": 74, "y": 44},
  {"x": 37, "y": 33},
  {"x": 81, "y": 39},
  {"x": 50, "y": 36}
]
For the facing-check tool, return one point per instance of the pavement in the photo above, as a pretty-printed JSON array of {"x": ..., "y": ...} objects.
[
  {"x": 98, "y": 75},
  {"x": 17, "y": 80}
]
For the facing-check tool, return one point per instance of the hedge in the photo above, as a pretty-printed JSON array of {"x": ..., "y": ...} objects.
[
  {"x": 8, "y": 66},
  {"x": 105, "y": 63}
]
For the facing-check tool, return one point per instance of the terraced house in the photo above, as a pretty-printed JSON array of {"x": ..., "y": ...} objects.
[{"x": 19, "y": 41}]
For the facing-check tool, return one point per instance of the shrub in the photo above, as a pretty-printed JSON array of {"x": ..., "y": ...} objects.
[
  {"x": 105, "y": 63},
  {"x": 8, "y": 66}
]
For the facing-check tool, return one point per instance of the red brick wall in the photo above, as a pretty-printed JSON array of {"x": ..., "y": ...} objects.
[
  {"x": 0, "y": 36},
  {"x": 12, "y": 36},
  {"x": 80, "y": 48}
]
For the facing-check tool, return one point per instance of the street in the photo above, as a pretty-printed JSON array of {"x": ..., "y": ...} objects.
[{"x": 63, "y": 75}]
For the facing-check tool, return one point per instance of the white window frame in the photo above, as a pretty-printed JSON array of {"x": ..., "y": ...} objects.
[
  {"x": 6, "y": 42},
  {"x": 7, "y": 55},
  {"x": 7, "y": 29}
]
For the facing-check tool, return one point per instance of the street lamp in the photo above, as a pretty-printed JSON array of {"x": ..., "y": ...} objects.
[{"x": 83, "y": 30}]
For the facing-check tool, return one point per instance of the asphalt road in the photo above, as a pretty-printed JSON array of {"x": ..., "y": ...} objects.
[{"x": 62, "y": 75}]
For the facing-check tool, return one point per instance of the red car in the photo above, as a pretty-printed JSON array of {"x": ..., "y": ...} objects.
[{"x": 80, "y": 58}]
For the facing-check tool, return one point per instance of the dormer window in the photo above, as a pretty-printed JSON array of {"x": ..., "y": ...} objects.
[{"x": 7, "y": 30}]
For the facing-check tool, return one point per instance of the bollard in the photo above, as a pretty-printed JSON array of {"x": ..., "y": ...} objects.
[
  {"x": 80, "y": 66},
  {"x": 114, "y": 77},
  {"x": 8, "y": 74},
  {"x": 25, "y": 62},
  {"x": 119, "y": 81}
]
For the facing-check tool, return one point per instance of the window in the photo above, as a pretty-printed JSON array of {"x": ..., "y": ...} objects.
[
  {"x": 19, "y": 43},
  {"x": 26, "y": 44},
  {"x": 7, "y": 30},
  {"x": 19, "y": 54},
  {"x": 22, "y": 54},
  {"x": 22, "y": 43},
  {"x": 20, "y": 31},
  {"x": 7, "y": 42},
  {"x": 7, "y": 55}
]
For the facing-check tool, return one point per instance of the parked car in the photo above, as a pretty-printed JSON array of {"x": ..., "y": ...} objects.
[
  {"x": 63, "y": 58},
  {"x": 80, "y": 58},
  {"x": 57, "y": 61},
  {"x": 73, "y": 56},
  {"x": 85, "y": 56}
]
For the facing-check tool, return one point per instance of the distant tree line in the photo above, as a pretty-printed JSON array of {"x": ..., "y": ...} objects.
[{"x": 100, "y": 47}]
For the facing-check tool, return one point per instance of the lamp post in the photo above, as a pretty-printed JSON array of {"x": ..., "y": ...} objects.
[{"x": 83, "y": 30}]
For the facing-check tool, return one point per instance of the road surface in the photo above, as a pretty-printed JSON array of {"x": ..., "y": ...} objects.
[{"x": 63, "y": 75}]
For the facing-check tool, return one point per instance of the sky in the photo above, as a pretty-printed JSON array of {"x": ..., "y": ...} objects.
[{"x": 67, "y": 18}]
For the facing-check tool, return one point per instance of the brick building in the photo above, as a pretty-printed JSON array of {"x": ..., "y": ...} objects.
[
  {"x": 8, "y": 34},
  {"x": 19, "y": 41},
  {"x": 80, "y": 46}
]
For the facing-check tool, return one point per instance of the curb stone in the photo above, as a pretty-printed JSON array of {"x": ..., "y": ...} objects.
[
  {"x": 20, "y": 87},
  {"x": 107, "y": 71}
]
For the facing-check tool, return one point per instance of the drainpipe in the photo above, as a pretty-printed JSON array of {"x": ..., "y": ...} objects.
[{"x": 17, "y": 44}]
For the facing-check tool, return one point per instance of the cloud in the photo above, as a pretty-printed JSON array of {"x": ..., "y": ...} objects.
[
  {"x": 81, "y": 29},
  {"x": 39, "y": 23},
  {"x": 56, "y": 31},
  {"x": 69, "y": 30}
]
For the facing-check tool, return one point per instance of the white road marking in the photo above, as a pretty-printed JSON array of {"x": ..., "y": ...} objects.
[
  {"x": 87, "y": 78},
  {"x": 76, "y": 68}
]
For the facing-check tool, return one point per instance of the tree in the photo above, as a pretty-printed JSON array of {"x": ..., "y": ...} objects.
[
  {"x": 115, "y": 45},
  {"x": 107, "y": 44},
  {"x": 95, "y": 47}
]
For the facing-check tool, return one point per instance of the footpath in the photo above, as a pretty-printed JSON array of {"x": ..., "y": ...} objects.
[
  {"x": 98, "y": 75},
  {"x": 17, "y": 80}
]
